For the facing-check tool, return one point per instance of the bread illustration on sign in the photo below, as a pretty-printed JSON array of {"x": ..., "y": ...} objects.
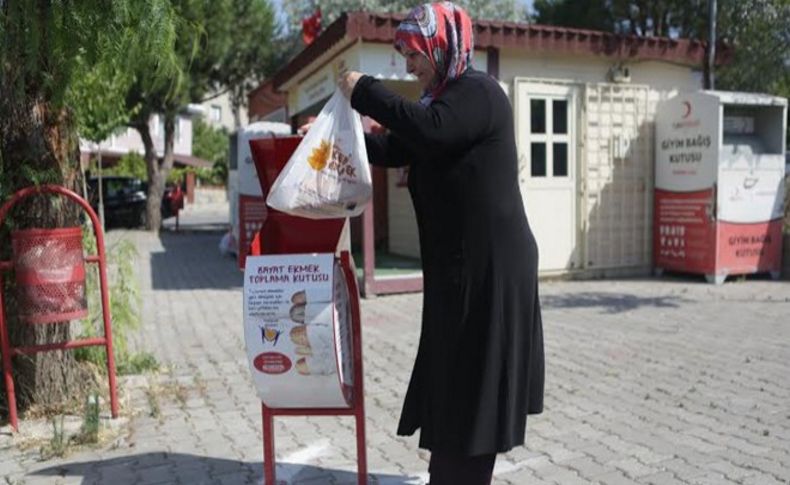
[
  {"x": 299, "y": 338},
  {"x": 299, "y": 335},
  {"x": 299, "y": 298},
  {"x": 297, "y": 313},
  {"x": 309, "y": 366}
]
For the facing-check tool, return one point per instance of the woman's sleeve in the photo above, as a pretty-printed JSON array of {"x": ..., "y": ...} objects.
[
  {"x": 454, "y": 121},
  {"x": 387, "y": 150}
]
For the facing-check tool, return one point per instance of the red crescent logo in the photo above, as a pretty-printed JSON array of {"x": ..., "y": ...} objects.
[{"x": 687, "y": 105}]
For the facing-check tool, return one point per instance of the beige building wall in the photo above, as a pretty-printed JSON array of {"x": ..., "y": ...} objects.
[
  {"x": 128, "y": 140},
  {"x": 614, "y": 136},
  {"x": 660, "y": 76},
  {"x": 219, "y": 113},
  {"x": 403, "y": 238},
  {"x": 605, "y": 244}
]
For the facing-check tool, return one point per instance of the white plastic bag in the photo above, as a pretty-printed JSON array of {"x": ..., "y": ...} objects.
[{"x": 328, "y": 175}]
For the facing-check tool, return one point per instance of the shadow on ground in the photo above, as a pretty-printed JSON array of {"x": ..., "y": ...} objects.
[
  {"x": 191, "y": 260},
  {"x": 608, "y": 302},
  {"x": 162, "y": 467}
]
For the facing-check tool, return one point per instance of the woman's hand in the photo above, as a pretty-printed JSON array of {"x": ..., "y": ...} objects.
[
  {"x": 304, "y": 128},
  {"x": 347, "y": 81}
]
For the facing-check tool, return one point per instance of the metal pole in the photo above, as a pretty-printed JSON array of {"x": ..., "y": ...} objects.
[
  {"x": 269, "y": 477},
  {"x": 710, "y": 60},
  {"x": 101, "y": 195}
]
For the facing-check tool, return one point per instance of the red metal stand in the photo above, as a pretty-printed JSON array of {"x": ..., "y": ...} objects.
[
  {"x": 357, "y": 408},
  {"x": 106, "y": 341},
  {"x": 285, "y": 234}
]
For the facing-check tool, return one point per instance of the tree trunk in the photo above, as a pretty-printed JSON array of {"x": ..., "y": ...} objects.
[
  {"x": 169, "y": 155},
  {"x": 153, "y": 203},
  {"x": 38, "y": 144},
  {"x": 157, "y": 172},
  {"x": 236, "y": 102}
]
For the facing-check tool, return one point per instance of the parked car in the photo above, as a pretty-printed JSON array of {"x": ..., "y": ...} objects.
[{"x": 125, "y": 200}]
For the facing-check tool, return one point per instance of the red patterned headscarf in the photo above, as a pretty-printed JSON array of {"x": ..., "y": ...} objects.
[{"x": 442, "y": 32}]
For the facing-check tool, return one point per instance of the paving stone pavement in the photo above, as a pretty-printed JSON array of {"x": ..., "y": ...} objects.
[{"x": 659, "y": 382}]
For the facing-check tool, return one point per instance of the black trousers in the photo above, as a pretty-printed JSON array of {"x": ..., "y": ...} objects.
[{"x": 450, "y": 469}]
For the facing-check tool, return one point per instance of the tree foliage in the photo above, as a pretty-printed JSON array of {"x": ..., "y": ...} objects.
[
  {"x": 220, "y": 45},
  {"x": 757, "y": 30},
  {"x": 208, "y": 142},
  {"x": 645, "y": 18},
  {"x": 131, "y": 164},
  {"x": 249, "y": 59},
  {"x": 47, "y": 48},
  {"x": 142, "y": 41}
]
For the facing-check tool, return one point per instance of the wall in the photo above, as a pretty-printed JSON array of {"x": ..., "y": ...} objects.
[
  {"x": 615, "y": 139},
  {"x": 403, "y": 237},
  {"x": 128, "y": 140},
  {"x": 226, "y": 118},
  {"x": 660, "y": 76}
]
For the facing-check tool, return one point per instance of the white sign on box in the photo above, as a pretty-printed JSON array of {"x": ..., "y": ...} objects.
[{"x": 297, "y": 330}]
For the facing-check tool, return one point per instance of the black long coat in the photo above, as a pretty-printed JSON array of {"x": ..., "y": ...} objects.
[{"x": 479, "y": 368}]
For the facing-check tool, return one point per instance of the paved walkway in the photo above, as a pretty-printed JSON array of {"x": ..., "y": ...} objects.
[{"x": 667, "y": 381}]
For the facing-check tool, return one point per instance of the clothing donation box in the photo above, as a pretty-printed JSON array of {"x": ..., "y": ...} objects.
[
  {"x": 301, "y": 315},
  {"x": 719, "y": 197}
]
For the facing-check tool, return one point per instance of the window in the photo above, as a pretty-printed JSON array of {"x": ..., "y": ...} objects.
[
  {"x": 216, "y": 113},
  {"x": 538, "y": 109},
  {"x": 549, "y": 137},
  {"x": 560, "y": 115},
  {"x": 560, "y": 160},
  {"x": 538, "y": 168}
]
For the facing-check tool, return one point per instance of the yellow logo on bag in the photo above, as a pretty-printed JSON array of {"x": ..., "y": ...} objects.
[{"x": 320, "y": 155}]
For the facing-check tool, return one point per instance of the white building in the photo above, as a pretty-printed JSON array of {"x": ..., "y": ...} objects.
[
  {"x": 128, "y": 140},
  {"x": 584, "y": 104},
  {"x": 218, "y": 112}
]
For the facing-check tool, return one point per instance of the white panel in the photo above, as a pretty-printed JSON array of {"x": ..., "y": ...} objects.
[
  {"x": 750, "y": 196},
  {"x": 617, "y": 175},
  {"x": 382, "y": 61},
  {"x": 247, "y": 175},
  {"x": 660, "y": 76},
  {"x": 322, "y": 83},
  {"x": 687, "y": 141},
  {"x": 550, "y": 201},
  {"x": 403, "y": 237},
  {"x": 550, "y": 217}
]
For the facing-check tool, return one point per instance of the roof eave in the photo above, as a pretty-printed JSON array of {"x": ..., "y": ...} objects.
[{"x": 381, "y": 27}]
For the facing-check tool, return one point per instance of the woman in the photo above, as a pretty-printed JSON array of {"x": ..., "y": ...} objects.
[{"x": 479, "y": 367}]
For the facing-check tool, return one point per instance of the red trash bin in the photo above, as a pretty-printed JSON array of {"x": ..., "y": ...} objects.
[{"x": 50, "y": 274}]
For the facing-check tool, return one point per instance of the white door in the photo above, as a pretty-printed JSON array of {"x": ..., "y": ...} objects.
[{"x": 546, "y": 137}]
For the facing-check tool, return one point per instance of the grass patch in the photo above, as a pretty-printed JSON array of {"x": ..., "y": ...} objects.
[
  {"x": 124, "y": 309},
  {"x": 58, "y": 444},
  {"x": 138, "y": 363},
  {"x": 152, "y": 396}
]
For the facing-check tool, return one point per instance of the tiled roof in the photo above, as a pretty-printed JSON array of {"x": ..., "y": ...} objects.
[{"x": 380, "y": 27}]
